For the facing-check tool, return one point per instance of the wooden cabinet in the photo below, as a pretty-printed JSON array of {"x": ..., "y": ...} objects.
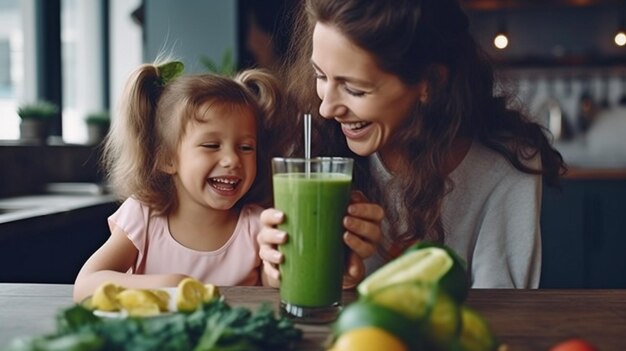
[{"x": 584, "y": 234}]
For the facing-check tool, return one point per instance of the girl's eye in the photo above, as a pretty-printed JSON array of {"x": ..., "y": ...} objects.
[
  {"x": 211, "y": 146},
  {"x": 247, "y": 147}
]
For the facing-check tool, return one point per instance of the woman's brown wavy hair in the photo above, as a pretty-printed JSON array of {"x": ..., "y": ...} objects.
[{"x": 414, "y": 40}]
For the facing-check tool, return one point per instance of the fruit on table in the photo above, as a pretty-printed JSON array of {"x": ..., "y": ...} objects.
[
  {"x": 574, "y": 344},
  {"x": 418, "y": 298},
  {"x": 436, "y": 313},
  {"x": 423, "y": 262},
  {"x": 368, "y": 339},
  {"x": 191, "y": 293},
  {"x": 105, "y": 297},
  {"x": 475, "y": 332},
  {"x": 362, "y": 314},
  {"x": 140, "y": 302}
]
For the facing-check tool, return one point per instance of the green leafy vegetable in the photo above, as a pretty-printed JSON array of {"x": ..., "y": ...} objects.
[{"x": 215, "y": 326}]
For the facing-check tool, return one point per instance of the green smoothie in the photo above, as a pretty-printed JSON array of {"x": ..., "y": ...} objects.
[{"x": 314, "y": 205}]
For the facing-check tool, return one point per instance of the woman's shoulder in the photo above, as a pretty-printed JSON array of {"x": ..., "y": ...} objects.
[
  {"x": 484, "y": 168},
  {"x": 485, "y": 159}
]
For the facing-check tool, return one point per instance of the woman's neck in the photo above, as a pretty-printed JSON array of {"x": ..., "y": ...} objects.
[{"x": 393, "y": 161}]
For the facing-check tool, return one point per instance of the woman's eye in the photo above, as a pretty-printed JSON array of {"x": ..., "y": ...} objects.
[{"x": 357, "y": 93}]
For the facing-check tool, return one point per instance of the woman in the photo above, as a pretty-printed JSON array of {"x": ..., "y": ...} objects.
[{"x": 403, "y": 87}]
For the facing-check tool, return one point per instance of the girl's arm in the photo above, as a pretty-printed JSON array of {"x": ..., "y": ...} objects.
[{"x": 110, "y": 264}]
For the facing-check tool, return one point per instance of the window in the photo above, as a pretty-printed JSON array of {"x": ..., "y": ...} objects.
[
  {"x": 26, "y": 76},
  {"x": 11, "y": 66}
]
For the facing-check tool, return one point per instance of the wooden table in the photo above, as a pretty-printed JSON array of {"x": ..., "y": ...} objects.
[{"x": 523, "y": 319}]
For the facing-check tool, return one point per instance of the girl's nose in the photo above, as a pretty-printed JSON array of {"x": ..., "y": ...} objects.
[
  {"x": 331, "y": 105},
  {"x": 229, "y": 159}
]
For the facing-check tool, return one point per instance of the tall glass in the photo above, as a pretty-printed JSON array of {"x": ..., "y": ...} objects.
[{"x": 313, "y": 194}]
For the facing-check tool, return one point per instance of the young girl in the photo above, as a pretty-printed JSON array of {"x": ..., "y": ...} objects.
[{"x": 184, "y": 153}]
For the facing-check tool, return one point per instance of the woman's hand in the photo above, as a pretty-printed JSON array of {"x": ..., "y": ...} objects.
[
  {"x": 269, "y": 238},
  {"x": 363, "y": 234}
]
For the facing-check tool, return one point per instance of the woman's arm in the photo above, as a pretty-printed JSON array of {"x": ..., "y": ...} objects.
[{"x": 111, "y": 262}]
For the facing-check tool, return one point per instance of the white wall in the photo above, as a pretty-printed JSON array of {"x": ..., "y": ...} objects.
[{"x": 190, "y": 29}]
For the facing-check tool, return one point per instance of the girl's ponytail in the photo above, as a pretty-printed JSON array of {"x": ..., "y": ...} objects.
[
  {"x": 130, "y": 149},
  {"x": 266, "y": 88}
]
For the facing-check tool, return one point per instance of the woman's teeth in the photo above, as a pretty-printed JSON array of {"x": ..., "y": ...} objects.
[{"x": 356, "y": 125}]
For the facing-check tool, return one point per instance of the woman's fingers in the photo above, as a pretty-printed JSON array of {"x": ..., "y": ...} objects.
[{"x": 355, "y": 272}]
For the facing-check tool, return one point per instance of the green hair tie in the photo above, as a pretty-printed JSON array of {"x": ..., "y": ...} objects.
[{"x": 169, "y": 71}]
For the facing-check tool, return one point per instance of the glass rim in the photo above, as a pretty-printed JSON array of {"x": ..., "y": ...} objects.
[{"x": 313, "y": 159}]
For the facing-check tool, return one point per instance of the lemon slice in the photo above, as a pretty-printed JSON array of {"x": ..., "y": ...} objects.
[
  {"x": 190, "y": 294},
  {"x": 163, "y": 299},
  {"x": 105, "y": 297},
  {"x": 139, "y": 302},
  {"x": 212, "y": 292}
]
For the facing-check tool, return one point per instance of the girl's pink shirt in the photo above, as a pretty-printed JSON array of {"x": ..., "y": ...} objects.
[{"x": 235, "y": 263}]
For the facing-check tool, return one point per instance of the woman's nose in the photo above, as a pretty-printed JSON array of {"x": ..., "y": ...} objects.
[{"x": 331, "y": 105}]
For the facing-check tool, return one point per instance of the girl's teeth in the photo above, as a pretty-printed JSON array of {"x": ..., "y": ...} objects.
[{"x": 225, "y": 181}]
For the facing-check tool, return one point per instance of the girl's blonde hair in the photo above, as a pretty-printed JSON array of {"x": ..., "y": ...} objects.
[{"x": 152, "y": 121}]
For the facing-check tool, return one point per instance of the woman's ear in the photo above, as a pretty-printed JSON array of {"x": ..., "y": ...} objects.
[
  {"x": 422, "y": 91},
  {"x": 437, "y": 77}
]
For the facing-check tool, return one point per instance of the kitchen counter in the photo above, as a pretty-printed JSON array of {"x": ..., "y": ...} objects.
[
  {"x": 32, "y": 206},
  {"x": 51, "y": 235}
]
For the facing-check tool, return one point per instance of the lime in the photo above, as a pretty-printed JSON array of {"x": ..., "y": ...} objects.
[
  {"x": 432, "y": 264},
  {"x": 444, "y": 322},
  {"x": 105, "y": 297},
  {"x": 362, "y": 313},
  {"x": 413, "y": 300},
  {"x": 437, "y": 313},
  {"x": 368, "y": 339},
  {"x": 475, "y": 332}
]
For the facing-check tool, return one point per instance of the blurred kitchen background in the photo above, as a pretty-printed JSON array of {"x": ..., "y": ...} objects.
[{"x": 565, "y": 61}]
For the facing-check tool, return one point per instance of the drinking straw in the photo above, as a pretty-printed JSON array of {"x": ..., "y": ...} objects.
[{"x": 307, "y": 142}]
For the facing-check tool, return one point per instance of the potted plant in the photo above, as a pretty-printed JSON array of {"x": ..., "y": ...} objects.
[
  {"x": 98, "y": 124},
  {"x": 36, "y": 119}
]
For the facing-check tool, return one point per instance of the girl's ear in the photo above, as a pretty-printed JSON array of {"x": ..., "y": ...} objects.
[{"x": 168, "y": 167}]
